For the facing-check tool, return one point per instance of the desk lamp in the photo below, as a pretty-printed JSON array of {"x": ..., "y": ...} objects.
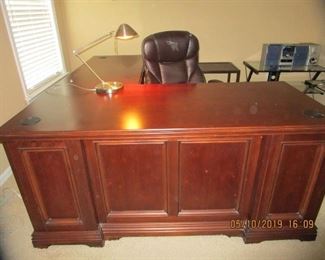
[{"x": 124, "y": 32}]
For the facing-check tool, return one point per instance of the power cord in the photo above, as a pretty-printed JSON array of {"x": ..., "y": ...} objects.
[{"x": 77, "y": 86}]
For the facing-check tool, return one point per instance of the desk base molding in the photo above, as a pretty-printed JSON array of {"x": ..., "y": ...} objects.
[
  {"x": 260, "y": 235},
  {"x": 92, "y": 238},
  {"x": 117, "y": 230},
  {"x": 114, "y": 230}
]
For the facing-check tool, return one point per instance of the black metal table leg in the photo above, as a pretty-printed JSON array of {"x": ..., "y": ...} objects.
[
  {"x": 249, "y": 75},
  {"x": 273, "y": 76},
  {"x": 316, "y": 75},
  {"x": 238, "y": 76},
  {"x": 228, "y": 77}
]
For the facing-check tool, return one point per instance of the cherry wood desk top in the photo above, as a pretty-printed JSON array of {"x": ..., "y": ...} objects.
[{"x": 70, "y": 111}]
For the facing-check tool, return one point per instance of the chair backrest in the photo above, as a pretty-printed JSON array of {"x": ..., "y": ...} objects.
[{"x": 171, "y": 57}]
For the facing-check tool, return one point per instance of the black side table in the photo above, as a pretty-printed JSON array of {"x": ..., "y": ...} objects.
[{"x": 220, "y": 68}]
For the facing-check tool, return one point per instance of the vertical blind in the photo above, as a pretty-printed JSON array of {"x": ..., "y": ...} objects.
[{"x": 35, "y": 39}]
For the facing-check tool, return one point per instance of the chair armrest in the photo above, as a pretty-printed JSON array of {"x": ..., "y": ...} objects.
[{"x": 214, "y": 81}]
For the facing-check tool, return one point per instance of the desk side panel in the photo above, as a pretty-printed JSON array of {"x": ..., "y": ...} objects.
[
  {"x": 291, "y": 188},
  {"x": 52, "y": 179}
]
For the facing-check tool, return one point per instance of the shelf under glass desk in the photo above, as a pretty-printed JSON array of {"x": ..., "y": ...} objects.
[{"x": 275, "y": 71}]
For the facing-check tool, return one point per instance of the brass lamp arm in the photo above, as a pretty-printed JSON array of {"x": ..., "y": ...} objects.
[
  {"x": 84, "y": 62},
  {"x": 124, "y": 31},
  {"x": 88, "y": 46},
  {"x": 93, "y": 43}
]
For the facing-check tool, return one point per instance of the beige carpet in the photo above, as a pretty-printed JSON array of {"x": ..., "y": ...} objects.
[{"x": 15, "y": 242}]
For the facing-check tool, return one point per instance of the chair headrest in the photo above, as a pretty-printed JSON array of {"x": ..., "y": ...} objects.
[{"x": 170, "y": 46}]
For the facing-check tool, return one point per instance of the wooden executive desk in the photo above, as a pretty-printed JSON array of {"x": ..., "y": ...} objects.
[{"x": 240, "y": 159}]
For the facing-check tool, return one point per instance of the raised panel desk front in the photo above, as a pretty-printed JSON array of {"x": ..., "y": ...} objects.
[{"x": 241, "y": 159}]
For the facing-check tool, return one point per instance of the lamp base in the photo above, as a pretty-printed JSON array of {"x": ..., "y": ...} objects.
[{"x": 109, "y": 87}]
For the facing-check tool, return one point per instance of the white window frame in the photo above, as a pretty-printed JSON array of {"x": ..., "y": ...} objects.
[{"x": 31, "y": 94}]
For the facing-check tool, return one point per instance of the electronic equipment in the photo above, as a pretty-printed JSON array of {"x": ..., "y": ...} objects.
[{"x": 293, "y": 55}]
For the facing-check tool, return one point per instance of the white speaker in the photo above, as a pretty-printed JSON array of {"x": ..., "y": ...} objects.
[{"x": 314, "y": 54}]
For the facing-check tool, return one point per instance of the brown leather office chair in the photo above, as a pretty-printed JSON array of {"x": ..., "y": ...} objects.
[{"x": 171, "y": 57}]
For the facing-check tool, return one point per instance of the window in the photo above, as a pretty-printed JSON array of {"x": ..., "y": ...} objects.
[{"x": 35, "y": 40}]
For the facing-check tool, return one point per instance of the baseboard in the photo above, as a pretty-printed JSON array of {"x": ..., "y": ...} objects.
[{"x": 4, "y": 176}]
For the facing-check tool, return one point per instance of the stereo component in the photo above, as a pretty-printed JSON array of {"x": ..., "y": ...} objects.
[{"x": 291, "y": 55}]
